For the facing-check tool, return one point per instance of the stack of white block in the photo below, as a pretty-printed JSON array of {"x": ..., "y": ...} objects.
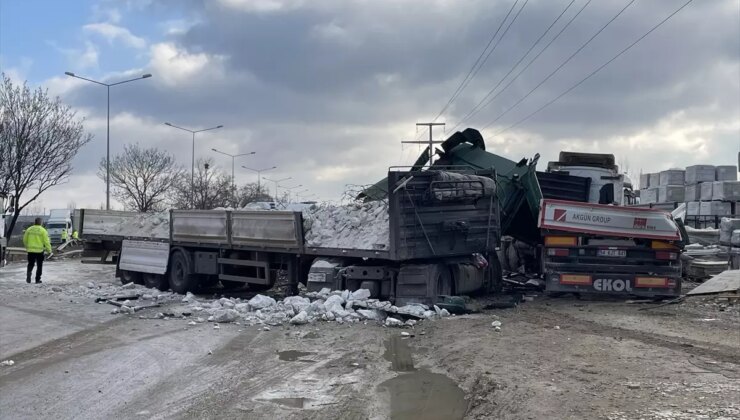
[{"x": 712, "y": 191}]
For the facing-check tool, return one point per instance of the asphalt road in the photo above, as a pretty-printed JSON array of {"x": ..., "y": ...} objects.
[{"x": 553, "y": 358}]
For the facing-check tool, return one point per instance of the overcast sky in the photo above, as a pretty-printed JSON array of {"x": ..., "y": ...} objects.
[{"x": 326, "y": 89}]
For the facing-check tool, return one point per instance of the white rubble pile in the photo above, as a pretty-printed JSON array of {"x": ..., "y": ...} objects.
[
  {"x": 107, "y": 290},
  {"x": 337, "y": 306},
  {"x": 356, "y": 226},
  {"x": 143, "y": 225}
]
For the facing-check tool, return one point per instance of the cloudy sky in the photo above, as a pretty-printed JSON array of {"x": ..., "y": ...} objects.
[{"x": 326, "y": 89}]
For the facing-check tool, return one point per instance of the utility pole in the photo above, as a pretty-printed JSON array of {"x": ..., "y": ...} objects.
[{"x": 431, "y": 142}]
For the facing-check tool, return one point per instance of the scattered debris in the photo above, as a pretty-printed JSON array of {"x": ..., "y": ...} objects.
[
  {"x": 727, "y": 281},
  {"x": 7, "y": 363},
  {"x": 557, "y": 327},
  {"x": 393, "y": 322},
  {"x": 300, "y": 319},
  {"x": 495, "y": 324}
]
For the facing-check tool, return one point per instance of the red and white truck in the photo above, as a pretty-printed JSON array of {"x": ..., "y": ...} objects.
[{"x": 594, "y": 248}]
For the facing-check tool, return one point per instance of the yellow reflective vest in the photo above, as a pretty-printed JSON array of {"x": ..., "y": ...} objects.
[{"x": 36, "y": 239}]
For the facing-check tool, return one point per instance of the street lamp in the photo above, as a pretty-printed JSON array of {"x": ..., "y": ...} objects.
[
  {"x": 290, "y": 191},
  {"x": 107, "y": 142},
  {"x": 259, "y": 176},
  {"x": 233, "y": 183},
  {"x": 277, "y": 181},
  {"x": 192, "y": 161}
]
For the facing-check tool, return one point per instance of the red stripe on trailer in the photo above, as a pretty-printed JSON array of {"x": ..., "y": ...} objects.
[{"x": 605, "y": 220}]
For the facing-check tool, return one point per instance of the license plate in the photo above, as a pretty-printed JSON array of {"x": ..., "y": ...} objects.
[
  {"x": 618, "y": 253},
  {"x": 317, "y": 277}
]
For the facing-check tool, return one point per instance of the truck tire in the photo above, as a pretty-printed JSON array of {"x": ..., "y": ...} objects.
[
  {"x": 512, "y": 258},
  {"x": 155, "y": 281},
  {"x": 131, "y": 277},
  {"x": 443, "y": 281},
  {"x": 495, "y": 275},
  {"x": 181, "y": 275}
]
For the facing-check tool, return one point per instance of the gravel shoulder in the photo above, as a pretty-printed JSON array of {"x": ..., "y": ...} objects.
[{"x": 73, "y": 359}]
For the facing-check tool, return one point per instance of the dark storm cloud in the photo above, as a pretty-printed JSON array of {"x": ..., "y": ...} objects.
[{"x": 321, "y": 83}]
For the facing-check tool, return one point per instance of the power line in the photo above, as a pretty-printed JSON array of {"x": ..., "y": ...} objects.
[
  {"x": 597, "y": 69},
  {"x": 478, "y": 107},
  {"x": 561, "y": 65},
  {"x": 567, "y": 24},
  {"x": 468, "y": 77}
]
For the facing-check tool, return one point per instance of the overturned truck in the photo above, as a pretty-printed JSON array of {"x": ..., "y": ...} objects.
[
  {"x": 452, "y": 228},
  {"x": 600, "y": 246}
]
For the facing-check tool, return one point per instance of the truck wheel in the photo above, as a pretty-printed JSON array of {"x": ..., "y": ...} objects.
[
  {"x": 495, "y": 275},
  {"x": 131, "y": 277},
  {"x": 181, "y": 276},
  {"x": 155, "y": 281},
  {"x": 444, "y": 281},
  {"x": 512, "y": 258}
]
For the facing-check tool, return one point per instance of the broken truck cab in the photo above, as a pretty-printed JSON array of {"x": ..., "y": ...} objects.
[{"x": 592, "y": 248}]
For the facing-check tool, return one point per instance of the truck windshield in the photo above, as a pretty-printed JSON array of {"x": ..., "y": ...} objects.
[{"x": 56, "y": 226}]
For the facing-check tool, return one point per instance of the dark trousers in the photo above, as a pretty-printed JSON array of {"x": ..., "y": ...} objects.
[{"x": 38, "y": 259}]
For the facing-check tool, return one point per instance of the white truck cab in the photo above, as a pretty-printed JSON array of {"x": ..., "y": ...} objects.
[
  {"x": 608, "y": 186},
  {"x": 59, "y": 220}
]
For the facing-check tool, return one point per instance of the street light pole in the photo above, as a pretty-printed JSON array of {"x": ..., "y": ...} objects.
[
  {"x": 276, "y": 184},
  {"x": 233, "y": 183},
  {"x": 107, "y": 135},
  {"x": 192, "y": 159},
  {"x": 259, "y": 176},
  {"x": 290, "y": 191}
]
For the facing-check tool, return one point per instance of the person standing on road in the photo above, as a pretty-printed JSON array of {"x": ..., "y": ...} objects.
[
  {"x": 64, "y": 235},
  {"x": 36, "y": 241}
]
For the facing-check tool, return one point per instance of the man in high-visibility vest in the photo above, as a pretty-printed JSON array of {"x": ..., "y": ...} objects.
[
  {"x": 36, "y": 241},
  {"x": 64, "y": 235},
  {"x": 75, "y": 235}
]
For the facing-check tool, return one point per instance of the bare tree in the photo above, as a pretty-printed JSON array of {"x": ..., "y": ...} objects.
[
  {"x": 38, "y": 140},
  {"x": 248, "y": 193},
  {"x": 71, "y": 205},
  {"x": 212, "y": 188},
  {"x": 142, "y": 179}
]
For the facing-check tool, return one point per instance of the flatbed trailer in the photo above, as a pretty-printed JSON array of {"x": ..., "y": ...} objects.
[{"x": 444, "y": 231}]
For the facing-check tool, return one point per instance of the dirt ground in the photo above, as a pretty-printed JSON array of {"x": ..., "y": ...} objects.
[{"x": 552, "y": 359}]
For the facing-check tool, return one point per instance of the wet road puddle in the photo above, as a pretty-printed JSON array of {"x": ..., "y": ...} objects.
[
  {"x": 397, "y": 352},
  {"x": 418, "y": 393},
  {"x": 293, "y": 355}
]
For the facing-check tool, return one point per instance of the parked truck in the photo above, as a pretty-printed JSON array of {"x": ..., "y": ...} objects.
[
  {"x": 59, "y": 225},
  {"x": 444, "y": 229}
]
